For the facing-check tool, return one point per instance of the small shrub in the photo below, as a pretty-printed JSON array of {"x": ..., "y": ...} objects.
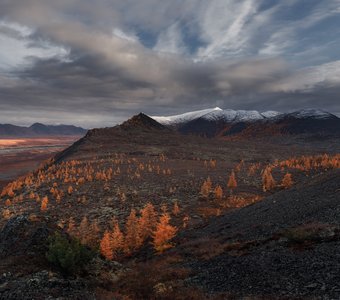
[{"x": 67, "y": 254}]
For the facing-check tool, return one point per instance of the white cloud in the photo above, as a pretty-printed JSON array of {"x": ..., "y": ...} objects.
[
  {"x": 171, "y": 40},
  {"x": 17, "y": 46},
  {"x": 223, "y": 26},
  {"x": 307, "y": 79},
  {"x": 125, "y": 36},
  {"x": 288, "y": 33}
]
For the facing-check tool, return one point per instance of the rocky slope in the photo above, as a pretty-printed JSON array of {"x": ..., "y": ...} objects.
[{"x": 284, "y": 246}]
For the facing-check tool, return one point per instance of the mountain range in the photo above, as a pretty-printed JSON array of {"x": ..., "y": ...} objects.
[
  {"x": 213, "y": 122},
  {"x": 218, "y": 122},
  {"x": 38, "y": 129}
]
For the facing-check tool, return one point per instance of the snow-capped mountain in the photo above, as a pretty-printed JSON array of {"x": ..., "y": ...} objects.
[
  {"x": 219, "y": 122},
  {"x": 186, "y": 117},
  {"x": 235, "y": 116}
]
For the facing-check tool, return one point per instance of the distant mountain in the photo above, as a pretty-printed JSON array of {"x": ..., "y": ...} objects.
[
  {"x": 38, "y": 129},
  {"x": 218, "y": 122}
]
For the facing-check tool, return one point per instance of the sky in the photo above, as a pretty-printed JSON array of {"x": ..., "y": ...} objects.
[{"x": 96, "y": 63}]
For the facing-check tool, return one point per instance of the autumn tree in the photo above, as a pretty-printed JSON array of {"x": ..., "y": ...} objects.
[
  {"x": 232, "y": 183},
  {"x": 268, "y": 181},
  {"x": 218, "y": 192},
  {"x": 206, "y": 187},
  {"x": 287, "y": 180},
  {"x": 212, "y": 163},
  {"x": 163, "y": 234},
  {"x": 44, "y": 204},
  {"x": 106, "y": 246},
  {"x": 133, "y": 238},
  {"x": 176, "y": 210},
  {"x": 70, "y": 190},
  {"x": 117, "y": 240},
  {"x": 147, "y": 221}
]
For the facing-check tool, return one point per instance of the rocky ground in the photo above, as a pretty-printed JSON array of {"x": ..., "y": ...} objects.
[{"x": 286, "y": 246}]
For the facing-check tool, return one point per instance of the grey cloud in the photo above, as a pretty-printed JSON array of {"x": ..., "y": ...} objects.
[{"x": 103, "y": 77}]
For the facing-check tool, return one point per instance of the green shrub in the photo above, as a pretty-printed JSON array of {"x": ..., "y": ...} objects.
[{"x": 67, "y": 254}]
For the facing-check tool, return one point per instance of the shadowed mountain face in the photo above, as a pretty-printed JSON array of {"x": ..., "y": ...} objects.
[
  {"x": 142, "y": 121},
  {"x": 219, "y": 123},
  {"x": 38, "y": 129}
]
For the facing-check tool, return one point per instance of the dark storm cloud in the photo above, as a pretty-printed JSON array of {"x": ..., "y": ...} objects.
[{"x": 88, "y": 65}]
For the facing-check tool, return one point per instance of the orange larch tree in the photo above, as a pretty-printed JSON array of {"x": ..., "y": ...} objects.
[
  {"x": 117, "y": 241},
  {"x": 44, "y": 204},
  {"x": 147, "y": 221},
  {"x": 268, "y": 181},
  {"x": 232, "y": 183},
  {"x": 206, "y": 187},
  {"x": 106, "y": 246},
  {"x": 176, "y": 210},
  {"x": 163, "y": 234},
  {"x": 287, "y": 181},
  {"x": 70, "y": 190},
  {"x": 133, "y": 238},
  {"x": 218, "y": 192}
]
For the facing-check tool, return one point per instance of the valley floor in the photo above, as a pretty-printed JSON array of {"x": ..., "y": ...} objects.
[{"x": 19, "y": 156}]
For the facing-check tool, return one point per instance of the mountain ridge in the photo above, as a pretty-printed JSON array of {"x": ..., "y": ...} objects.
[
  {"x": 240, "y": 115},
  {"x": 40, "y": 130},
  {"x": 218, "y": 122}
]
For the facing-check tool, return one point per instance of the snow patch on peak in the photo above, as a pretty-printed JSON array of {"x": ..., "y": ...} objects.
[
  {"x": 226, "y": 115},
  {"x": 248, "y": 116},
  {"x": 186, "y": 117},
  {"x": 270, "y": 114}
]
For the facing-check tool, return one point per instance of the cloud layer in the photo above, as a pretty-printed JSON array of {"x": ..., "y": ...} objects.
[{"x": 70, "y": 61}]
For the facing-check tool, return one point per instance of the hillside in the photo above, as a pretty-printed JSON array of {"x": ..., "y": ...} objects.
[
  {"x": 229, "y": 209},
  {"x": 295, "y": 231}
]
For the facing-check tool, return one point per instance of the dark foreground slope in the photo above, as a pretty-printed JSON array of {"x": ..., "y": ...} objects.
[{"x": 284, "y": 246}]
